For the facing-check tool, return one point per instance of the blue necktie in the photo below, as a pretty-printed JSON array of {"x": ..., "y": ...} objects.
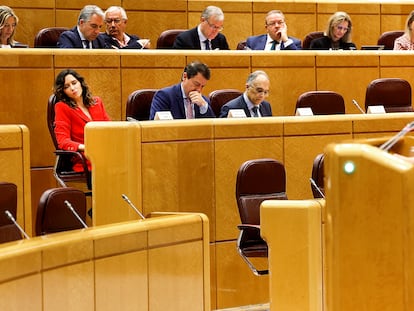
[
  {"x": 255, "y": 114},
  {"x": 273, "y": 47},
  {"x": 207, "y": 43}
]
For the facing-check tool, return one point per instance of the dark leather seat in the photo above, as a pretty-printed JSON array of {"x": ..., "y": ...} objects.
[
  {"x": 167, "y": 38},
  {"x": 241, "y": 45},
  {"x": 392, "y": 93},
  {"x": 53, "y": 215},
  {"x": 138, "y": 104},
  {"x": 62, "y": 169},
  {"x": 322, "y": 102},
  {"x": 318, "y": 175},
  {"x": 387, "y": 38},
  {"x": 309, "y": 37},
  {"x": 8, "y": 202},
  {"x": 257, "y": 180},
  {"x": 218, "y": 98},
  {"x": 48, "y": 37}
]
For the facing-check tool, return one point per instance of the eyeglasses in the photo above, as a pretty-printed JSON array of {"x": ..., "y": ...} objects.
[
  {"x": 259, "y": 90},
  {"x": 115, "y": 20},
  {"x": 341, "y": 28},
  {"x": 275, "y": 23},
  {"x": 214, "y": 27}
]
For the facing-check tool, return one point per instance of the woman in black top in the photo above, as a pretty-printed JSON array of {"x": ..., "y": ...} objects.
[{"x": 337, "y": 35}]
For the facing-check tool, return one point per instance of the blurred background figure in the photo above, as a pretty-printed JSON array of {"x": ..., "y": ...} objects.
[
  {"x": 8, "y": 24},
  {"x": 406, "y": 41}
]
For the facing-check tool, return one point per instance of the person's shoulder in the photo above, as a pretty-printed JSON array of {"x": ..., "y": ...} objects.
[{"x": 235, "y": 101}]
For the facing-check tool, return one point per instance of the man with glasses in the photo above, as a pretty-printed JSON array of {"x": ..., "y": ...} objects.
[
  {"x": 276, "y": 37},
  {"x": 206, "y": 36},
  {"x": 252, "y": 101},
  {"x": 115, "y": 36},
  {"x": 85, "y": 35},
  {"x": 184, "y": 100}
]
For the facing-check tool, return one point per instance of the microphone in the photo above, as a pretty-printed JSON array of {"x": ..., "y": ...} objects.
[
  {"x": 132, "y": 205},
  {"x": 313, "y": 183},
  {"x": 131, "y": 119},
  {"x": 391, "y": 142},
  {"x": 69, "y": 206},
  {"x": 10, "y": 216},
  {"x": 359, "y": 107}
]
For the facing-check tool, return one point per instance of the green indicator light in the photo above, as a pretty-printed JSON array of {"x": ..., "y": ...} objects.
[{"x": 349, "y": 167}]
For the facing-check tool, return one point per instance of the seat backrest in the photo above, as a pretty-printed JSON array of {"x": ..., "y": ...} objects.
[
  {"x": 309, "y": 37},
  {"x": 220, "y": 97},
  {"x": 258, "y": 180},
  {"x": 50, "y": 118},
  {"x": 318, "y": 175},
  {"x": 48, "y": 37},
  {"x": 167, "y": 38},
  {"x": 322, "y": 102},
  {"x": 8, "y": 202},
  {"x": 387, "y": 38},
  {"x": 138, "y": 104},
  {"x": 241, "y": 45},
  {"x": 54, "y": 216},
  {"x": 392, "y": 93}
]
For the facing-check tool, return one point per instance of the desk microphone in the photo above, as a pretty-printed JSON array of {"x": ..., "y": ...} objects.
[
  {"x": 69, "y": 206},
  {"x": 391, "y": 142},
  {"x": 132, "y": 205},
  {"x": 358, "y": 106},
  {"x": 10, "y": 216},
  {"x": 131, "y": 119},
  {"x": 313, "y": 183}
]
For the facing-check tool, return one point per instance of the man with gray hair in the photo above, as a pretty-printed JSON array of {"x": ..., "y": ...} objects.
[
  {"x": 206, "y": 36},
  {"x": 85, "y": 35},
  {"x": 252, "y": 101},
  {"x": 115, "y": 36}
]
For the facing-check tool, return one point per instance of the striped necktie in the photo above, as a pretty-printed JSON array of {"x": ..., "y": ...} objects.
[{"x": 188, "y": 109}]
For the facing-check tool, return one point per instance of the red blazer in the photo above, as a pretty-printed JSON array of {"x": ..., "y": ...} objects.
[{"x": 70, "y": 124}]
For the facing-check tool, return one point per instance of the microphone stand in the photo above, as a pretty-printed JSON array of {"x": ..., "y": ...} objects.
[
  {"x": 69, "y": 206},
  {"x": 391, "y": 142},
  {"x": 10, "y": 216},
  {"x": 132, "y": 205}
]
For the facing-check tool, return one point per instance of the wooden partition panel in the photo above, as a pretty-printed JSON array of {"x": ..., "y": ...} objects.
[
  {"x": 15, "y": 168},
  {"x": 125, "y": 266}
]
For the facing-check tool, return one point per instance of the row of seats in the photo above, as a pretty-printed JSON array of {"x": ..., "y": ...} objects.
[
  {"x": 53, "y": 215},
  {"x": 48, "y": 37},
  {"x": 393, "y": 93},
  {"x": 259, "y": 180}
]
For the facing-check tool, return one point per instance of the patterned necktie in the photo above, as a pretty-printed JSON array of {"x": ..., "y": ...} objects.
[
  {"x": 207, "y": 43},
  {"x": 86, "y": 44},
  {"x": 189, "y": 109},
  {"x": 255, "y": 114}
]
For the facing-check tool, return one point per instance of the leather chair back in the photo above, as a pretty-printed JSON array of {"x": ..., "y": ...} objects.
[
  {"x": 241, "y": 45},
  {"x": 218, "y": 98},
  {"x": 167, "y": 38},
  {"x": 54, "y": 216},
  {"x": 8, "y": 202},
  {"x": 392, "y": 93},
  {"x": 318, "y": 175},
  {"x": 48, "y": 37},
  {"x": 387, "y": 38},
  {"x": 309, "y": 37},
  {"x": 138, "y": 104},
  {"x": 322, "y": 102}
]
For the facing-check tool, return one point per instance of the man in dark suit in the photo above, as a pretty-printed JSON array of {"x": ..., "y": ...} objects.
[
  {"x": 85, "y": 35},
  {"x": 206, "y": 36},
  {"x": 184, "y": 100},
  {"x": 252, "y": 100},
  {"x": 115, "y": 36},
  {"x": 276, "y": 37}
]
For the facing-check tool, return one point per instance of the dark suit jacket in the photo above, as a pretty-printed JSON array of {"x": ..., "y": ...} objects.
[
  {"x": 325, "y": 43},
  {"x": 70, "y": 39},
  {"x": 189, "y": 40},
  {"x": 259, "y": 43},
  {"x": 111, "y": 42},
  {"x": 171, "y": 99},
  {"x": 239, "y": 103}
]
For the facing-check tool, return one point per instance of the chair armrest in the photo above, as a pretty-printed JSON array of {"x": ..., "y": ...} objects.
[
  {"x": 247, "y": 226},
  {"x": 78, "y": 154}
]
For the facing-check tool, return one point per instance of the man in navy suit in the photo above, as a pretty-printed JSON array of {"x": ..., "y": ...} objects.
[
  {"x": 252, "y": 101},
  {"x": 85, "y": 35},
  {"x": 276, "y": 37},
  {"x": 184, "y": 100},
  {"x": 206, "y": 36}
]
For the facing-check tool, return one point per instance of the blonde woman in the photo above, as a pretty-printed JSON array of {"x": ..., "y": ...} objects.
[
  {"x": 406, "y": 41},
  {"x": 8, "y": 24},
  {"x": 337, "y": 35}
]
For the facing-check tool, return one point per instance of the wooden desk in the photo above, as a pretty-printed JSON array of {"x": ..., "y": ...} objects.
[{"x": 124, "y": 266}]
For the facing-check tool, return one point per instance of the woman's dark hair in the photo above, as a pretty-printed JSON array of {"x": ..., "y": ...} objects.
[{"x": 59, "y": 90}]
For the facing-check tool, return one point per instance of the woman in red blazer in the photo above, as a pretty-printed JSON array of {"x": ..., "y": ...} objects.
[{"x": 74, "y": 108}]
